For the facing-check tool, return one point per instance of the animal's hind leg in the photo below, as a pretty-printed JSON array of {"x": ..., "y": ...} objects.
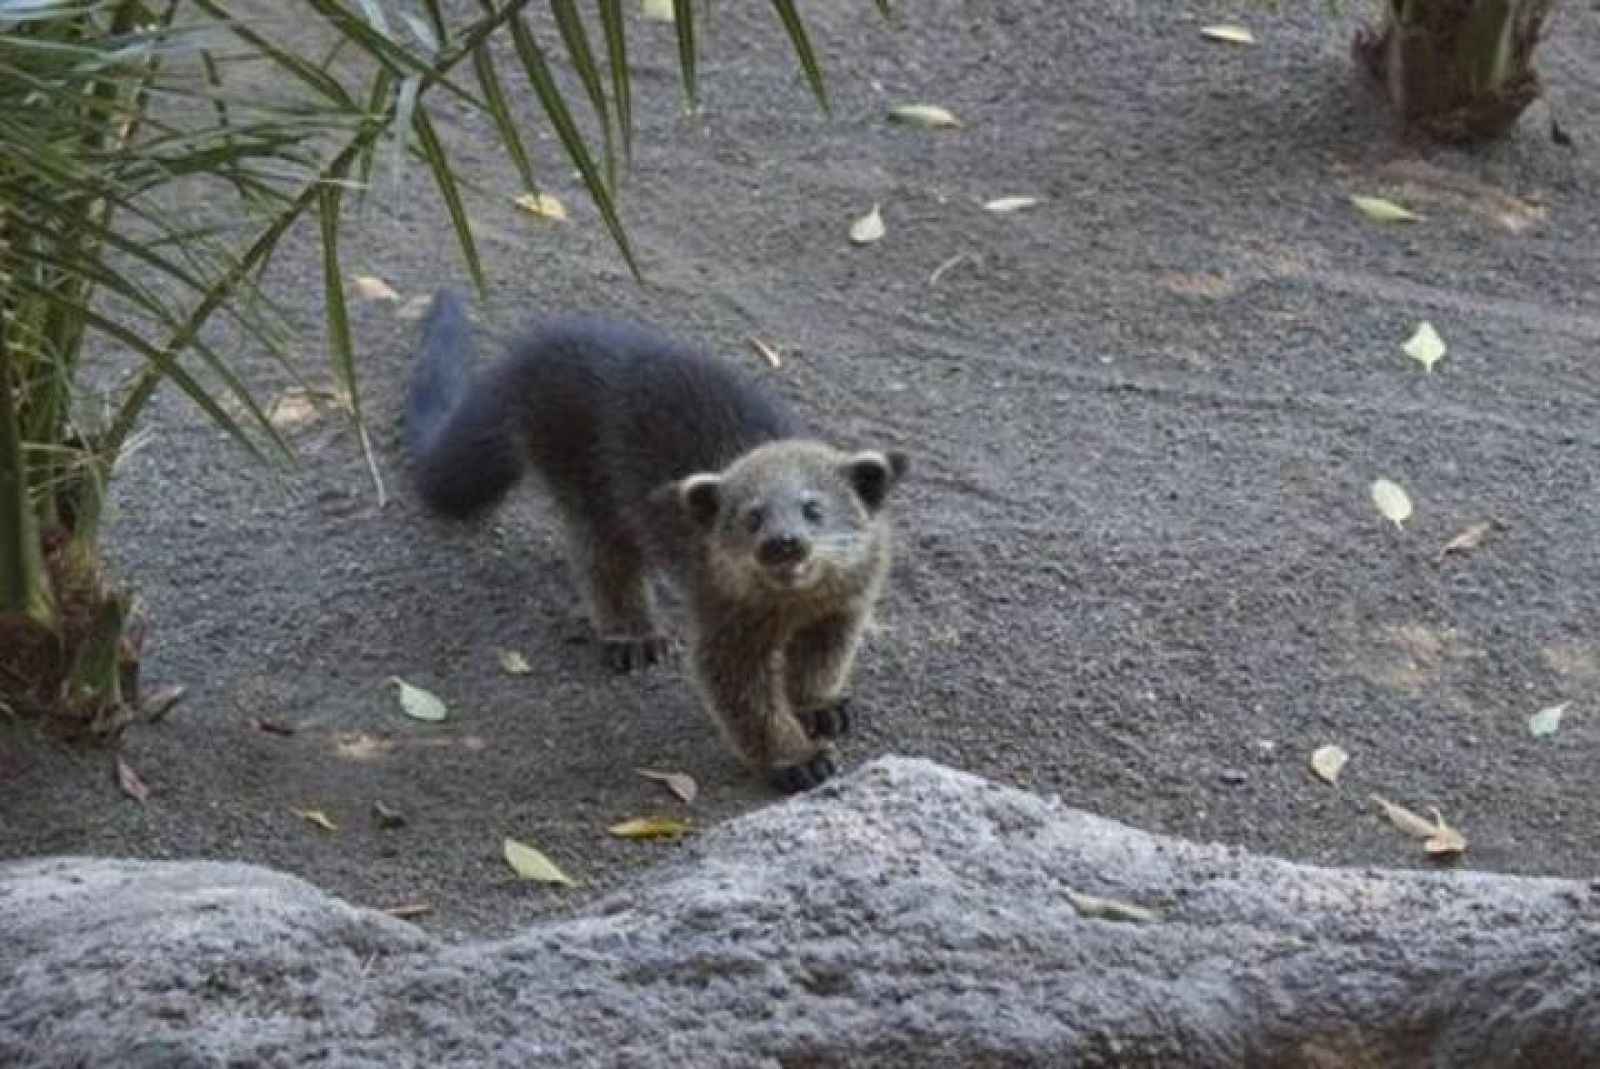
[{"x": 610, "y": 574}]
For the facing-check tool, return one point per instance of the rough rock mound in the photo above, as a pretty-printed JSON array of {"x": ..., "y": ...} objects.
[{"x": 908, "y": 915}]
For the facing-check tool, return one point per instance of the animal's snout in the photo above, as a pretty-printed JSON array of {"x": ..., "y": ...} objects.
[{"x": 778, "y": 551}]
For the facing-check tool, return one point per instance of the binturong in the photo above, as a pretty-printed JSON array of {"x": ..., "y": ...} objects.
[{"x": 664, "y": 462}]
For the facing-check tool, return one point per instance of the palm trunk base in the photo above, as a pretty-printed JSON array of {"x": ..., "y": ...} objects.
[
  {"x": 81, "y": 676},
  {"x": 1424, "y": 72}
]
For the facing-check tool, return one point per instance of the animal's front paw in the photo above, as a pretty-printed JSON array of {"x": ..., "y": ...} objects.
[
  {"x": 804, "y": 775},
  {"x": 830, "y": 721},
  {"x": 628, "y": 653}
]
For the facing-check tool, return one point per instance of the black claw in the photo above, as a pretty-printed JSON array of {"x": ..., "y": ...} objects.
[
  {"x": 804, "y": 775},
  {"x": 624, "y": 655},
  {"x": 829, "y": 722}
]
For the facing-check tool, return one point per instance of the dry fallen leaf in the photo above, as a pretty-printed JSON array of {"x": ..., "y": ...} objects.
[
  {"x": 1328, "y": 761},
  {"x": 868, "y": 228},
  {"x": 362, "y": 747},
  {"x": 1109, "y": 909},
  {"x": 530, "y": 864},
  {"x": 1384, "y": 211},
  {"x": 1438, "y": 838},
  {"x": 543, "y": 205},
  {"x": 374, "y": 289},
  {"x": 294, "y": 408},
  {"x": 161, "y": 701},
  {"x": 767, "y": 353},
  {"x": 658, "y": 10},
  {"x": 679, "y": 783},
  {"x": 1467, "y": 540},
  {"x": 268, "y": 726},
  {"x": 1010, "y": 204},
  {"x": 1392, "y": 501},
  {"x": 1425, "y": 346},
  {"x": 414, "y": 308},
  {"x": 387, "y": 816},
  {"x": 1233, "y": 35},
  {"x": 317, "y": 817},
  {"x": 419, "y": 704},
  {"x": 513, "y": 663},
  {"x": 409, "y": 910},
  {"x": 1547, "y": 721},
  {"x": 650, "y": 828},
  {"x": 130, "y": 782},
  {"x": 927, "y": 116}
]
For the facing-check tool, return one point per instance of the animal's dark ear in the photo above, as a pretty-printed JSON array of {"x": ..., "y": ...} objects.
[
  {"x": 874, "y": 474},
  {"x": 701, "y": 496}
]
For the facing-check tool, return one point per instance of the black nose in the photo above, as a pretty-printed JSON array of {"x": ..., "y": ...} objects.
[{"x": 781, "y": 549}]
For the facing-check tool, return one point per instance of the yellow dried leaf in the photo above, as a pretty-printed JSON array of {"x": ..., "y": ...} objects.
[
  {"x": 650, "y": 828},
  {"x": 131, "y": 783},
  {"x": 658, "y": 10},
  {"x": 1233, "y": 35},
  {"x": 294, "y": 408},
  {"x": 513, "y": 663},
  {"x": 868, "y": 228},
  {"x": 1425, "y": 346},
  {"x": 530, "y": 864},
  {"x": 1467, "y": 540},
  {"x": 1384, "y": 211},
  {"x": 927, "y": 116},
  {"x": 1328, "y": 761},
  {"x": 543, "y": 205},
  {"x": 1438, "y": 838},
  {"x": 679, "y": 783},
  {"x": 1392, "y": 501},
  {"x": 1109, "y": 909},
  {"x": 373, "y": 289},
  {"x": 317, "y": 817},
  {"x": 767, "y": 353},
  {"x": 1002, "y": 205},
  {"x": 419, "y": 704}
]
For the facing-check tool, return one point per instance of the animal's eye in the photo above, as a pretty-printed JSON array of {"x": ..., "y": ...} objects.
[
  {"x": 754, "y": 519},
  {"x": 812, "y": 511}
]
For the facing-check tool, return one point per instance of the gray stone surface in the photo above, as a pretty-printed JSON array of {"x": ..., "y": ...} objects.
[{"x": 908, "y": 915}]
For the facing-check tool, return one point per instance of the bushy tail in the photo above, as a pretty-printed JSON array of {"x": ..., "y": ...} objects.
[{"x": 459, "y": 428}]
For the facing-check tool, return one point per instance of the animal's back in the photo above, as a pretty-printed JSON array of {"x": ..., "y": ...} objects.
[{"x": 614, "y": 411}]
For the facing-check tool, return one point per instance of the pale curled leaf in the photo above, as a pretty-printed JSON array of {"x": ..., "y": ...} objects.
[
  {"x": 1438, "y": 838},
  {"x": 1392, "y": 501},
  {"x": 419, "y": 704},
  {"x": 1109, "y": 909},
  {"x": 1328, "y": 761},
  {"x": 1228, "y": 34},
  {"x": 531, "y": 864},
  {"x": 1467, "y": 540},
  {"x": 679, "y": 783},
  {"x": 1425, "y": 346},
  {"x": 1384, "y": 211},
  {"x": 927, "y": 116},
  {"x": 658, "y": 10},
  {"x": 373, "y": 289},
  {"x": 543, "y": 205},
  {"x": 513, "y": 663},
  {"x": 773, "y": 358},
  {"x": 1547, "y": 721},
  {"x": 650, "y": 828},
  {"x": 1003, "y": 205},
  {"x": 409, "y": 910},
  {"x": 130, "y": 781},
  {"x": 318, "y": 818},
  {"x": 869, "y": 228},
  {"x": 161, "y": 701}
]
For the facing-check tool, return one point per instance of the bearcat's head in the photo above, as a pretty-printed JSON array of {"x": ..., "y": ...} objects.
[{"x": 793, "y": 516}]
